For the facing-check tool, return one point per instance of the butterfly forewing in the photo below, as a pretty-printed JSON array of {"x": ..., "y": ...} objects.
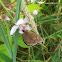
[
  {"x": 28, "y": 39},
  {"x": 31, "y": 38}
]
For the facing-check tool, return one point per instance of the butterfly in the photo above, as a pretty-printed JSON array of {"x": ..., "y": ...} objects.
[{"x": 31, "y": 38}]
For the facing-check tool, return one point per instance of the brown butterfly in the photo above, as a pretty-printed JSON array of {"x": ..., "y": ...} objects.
[{"x": 31, "y": 38}]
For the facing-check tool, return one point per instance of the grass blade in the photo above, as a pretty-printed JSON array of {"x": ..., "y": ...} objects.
[
  {"x": 16, "y": 33},
  {"x": 5, "y": 40},
  {"x": 33, "y": 53}
]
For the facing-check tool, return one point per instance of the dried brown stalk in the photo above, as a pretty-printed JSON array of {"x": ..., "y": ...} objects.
[
  {"x": 51, "y": 3},
  {"x": 48, "y": 59},
  {"x": 57, "y": 47},
  {"x": 30, "y": 19}
]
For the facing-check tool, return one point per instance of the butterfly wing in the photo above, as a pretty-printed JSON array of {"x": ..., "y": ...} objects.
[
  {"x": 31, "y": 38},
  {"x": 36, "y": 37},
  {"x": 28, "y": 39}
]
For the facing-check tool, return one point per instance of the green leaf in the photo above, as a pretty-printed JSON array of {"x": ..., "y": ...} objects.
[
  {"x": 4, "y": 55},
  {"x": 32, "y": 7},
  {"x": 14, "y": 3},
  {"x": 21, "y": 16},
  {"x": 5, "y": 58}
]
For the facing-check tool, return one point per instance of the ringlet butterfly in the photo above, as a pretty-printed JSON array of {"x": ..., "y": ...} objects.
[{"x": 31, "y": 38}]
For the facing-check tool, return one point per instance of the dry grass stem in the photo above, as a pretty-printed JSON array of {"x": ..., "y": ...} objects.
[
  {"x": 30, "y": 18},
  {"x": 48, "y": 59},
  {"x": 57, "y": 47},
  {"x": 50, "y": 3}
]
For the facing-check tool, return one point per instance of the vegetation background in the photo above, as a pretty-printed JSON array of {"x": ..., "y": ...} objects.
[{"x": 49, "y": 25}]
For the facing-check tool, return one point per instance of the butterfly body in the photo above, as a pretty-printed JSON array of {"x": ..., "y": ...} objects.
[{"x": 31, "y": 38}]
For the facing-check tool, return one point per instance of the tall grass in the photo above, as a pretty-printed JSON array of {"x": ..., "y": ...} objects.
[
  {"x": 16, "y": 33},
  {"x": 49, "y": 25}
]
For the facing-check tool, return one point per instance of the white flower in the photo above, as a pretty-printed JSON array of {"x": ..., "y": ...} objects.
[
  {"x": 21, "y": 25},
  {"x": 13, "y": 30},
  {"x": 41, "y": 2},
  {"x": 35, "y": 12},
  {"x": 20, "y": 29},
  {"x": 20, "y": 21},
  {"x": 7, "y": 18}
]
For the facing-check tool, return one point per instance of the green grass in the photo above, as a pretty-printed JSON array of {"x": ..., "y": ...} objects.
[
  {"x": 5, "y": 41},
  {"x": 16, "y": 33},
  {"x": 48, "y": 27}
]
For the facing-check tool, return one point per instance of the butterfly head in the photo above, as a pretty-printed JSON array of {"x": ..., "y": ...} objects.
[{"x": 23, "y": 30}]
